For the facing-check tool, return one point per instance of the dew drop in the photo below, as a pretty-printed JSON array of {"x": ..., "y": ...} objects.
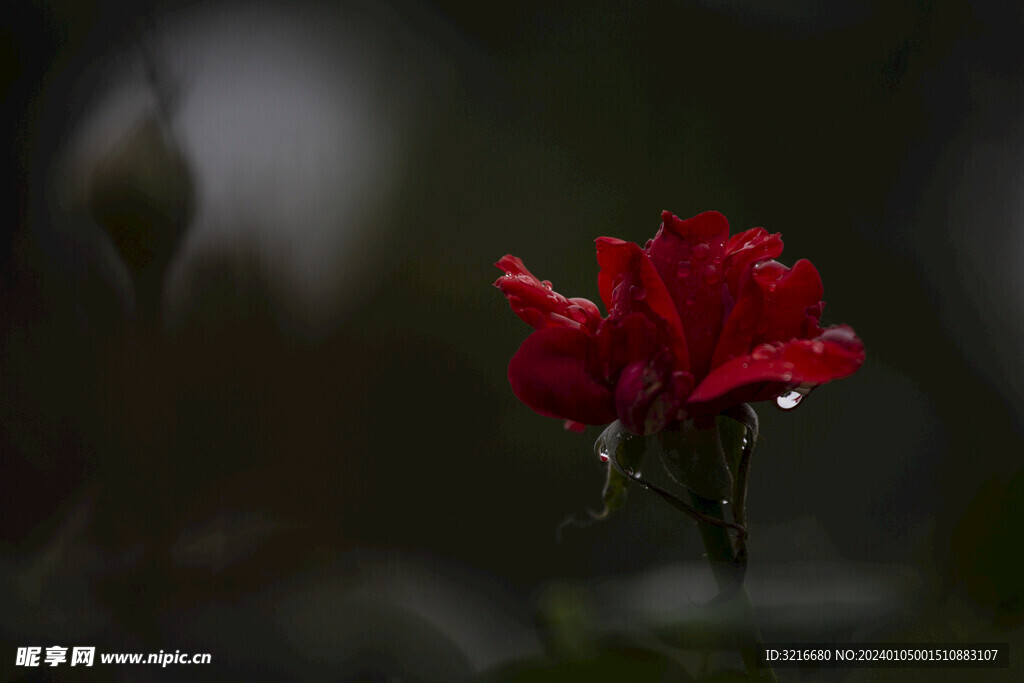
[
  {"x": 683, "y": 271},
  {"x": 772, "y": 286},
  {"x": 547, "y": 284},
  {"x": 700, "y": 252},
  {"x": 712, "y": 275},
  {"x": 787, "y": 376},
  {"x": 817, "y": 348},
  {"x": 636, "y": 293},
  {"x": 509, "y": 275},
  {"x": 788, "y": 400},
  {"x": 602, "y": 453}
]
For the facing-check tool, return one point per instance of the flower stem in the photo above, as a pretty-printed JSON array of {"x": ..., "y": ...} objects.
[{"x": 722, "y": 558}]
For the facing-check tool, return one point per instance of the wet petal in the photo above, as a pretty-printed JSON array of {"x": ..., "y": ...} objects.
[
  {"x": 773, "y": 368},
  {"x": 777, "y": 304},
  {"x": 629, "y": 283},
  {"x": 625, "y": 340},
  {"x": 787, "y": 295},
  {"x": 537, "y": 305},
  {"x": 550, "y": 374},
  {"x": 744, "y": 250},
  {"x": 650, "y": 396},
  {"x": 689, "y": 257}
]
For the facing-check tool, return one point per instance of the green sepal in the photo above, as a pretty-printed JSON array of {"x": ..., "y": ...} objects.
[
  {"x": 695, "y": 459},
  {"x": 628, "y": 449},
  {"x": 732, "y": 433}
]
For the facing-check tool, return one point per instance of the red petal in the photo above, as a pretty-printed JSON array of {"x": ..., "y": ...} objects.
[
  {"x": 629, "y": 283},
  {"x": 627, "y": 339},
  {"x": 771, "y": 369},
  {"x": 549, "y": 374},
  {"x": 787, "y": 294},
  {"x": 650, "y": 396},
  {"x": 776, "y": 305},
  {"x": 537, "y": 305},
  {"x": 744, "y": 250},
  {"x": 688, "y": 256}
]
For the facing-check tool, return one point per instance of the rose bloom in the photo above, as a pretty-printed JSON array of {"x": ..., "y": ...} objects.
[{"x": 697, "y": 321}]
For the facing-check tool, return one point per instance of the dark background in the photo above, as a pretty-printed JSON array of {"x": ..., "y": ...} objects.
[{"x": 307, "y": 460}]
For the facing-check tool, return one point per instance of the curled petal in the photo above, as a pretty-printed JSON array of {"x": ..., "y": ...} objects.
[
  {"x": 689, "y": 257},
  {"x": 537, "y": 305},
  {"x": 650, "y": 396},
  {"x": 777, "y": 304},
  {"x": 788, "y": 295},
  {"x": 590, "y": 310},
  {"x": 628, "y": 283},
  {"x": 550, "y": 374},
  {"x": 625, "y": 340},
  {"x": 744, "y": 250},
  {"x": 772, "y": 368}
]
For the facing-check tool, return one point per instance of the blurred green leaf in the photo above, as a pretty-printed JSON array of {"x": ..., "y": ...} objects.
[
  {"x": 142, "y": 193},
  {"x": 984, "y": 549},
  {"x": 614, "y": 666}
]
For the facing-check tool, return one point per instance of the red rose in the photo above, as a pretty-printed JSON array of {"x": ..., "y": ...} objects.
[{"x": 698, "y": 321}]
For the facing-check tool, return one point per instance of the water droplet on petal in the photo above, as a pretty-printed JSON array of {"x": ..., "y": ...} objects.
[
  {"x": 817, "y": 348},
  {"x": 700, "y": 252},
  {"x": 636, "y": 292},
  {"x": 712, "y": 275},
  {"x": 683, "y": 271},
  {"x": 772, "y": 286},
  {"x": 787, "y": 376},
  {"x": 788, "y": 400}
]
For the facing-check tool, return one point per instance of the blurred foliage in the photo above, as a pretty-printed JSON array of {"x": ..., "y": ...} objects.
[
  {"x": 609, "y": 666},
  {"x": 142, "y": 194},
  {"x": 985, "y": 544}
]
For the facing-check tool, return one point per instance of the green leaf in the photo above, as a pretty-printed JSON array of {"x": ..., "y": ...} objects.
[{"x": 694, "y": 458}]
